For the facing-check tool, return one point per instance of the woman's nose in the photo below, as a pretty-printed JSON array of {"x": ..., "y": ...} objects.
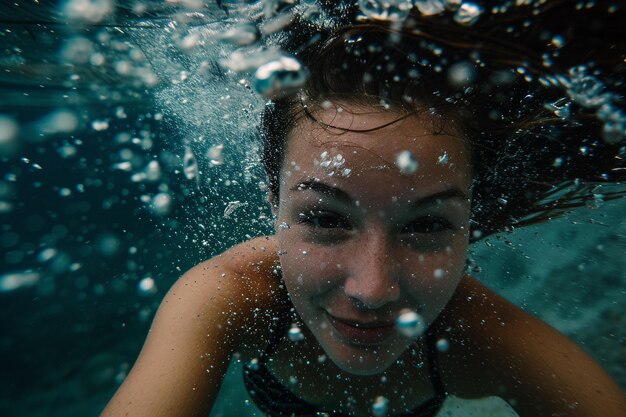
[{"x": 372, "y": 281}]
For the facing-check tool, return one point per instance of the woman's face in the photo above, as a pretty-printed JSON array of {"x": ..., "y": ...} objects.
[{"x": 365, "y": 232}]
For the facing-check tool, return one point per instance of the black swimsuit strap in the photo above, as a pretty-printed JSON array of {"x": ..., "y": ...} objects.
[
  {"x": 278, "y": 333},
  {"x": 435, "y": 372}
]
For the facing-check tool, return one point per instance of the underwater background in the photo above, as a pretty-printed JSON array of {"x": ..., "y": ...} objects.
[{"x": 128, "y": 155}]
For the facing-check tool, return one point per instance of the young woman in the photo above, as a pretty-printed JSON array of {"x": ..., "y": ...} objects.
[{"x": 382, "y": 169}]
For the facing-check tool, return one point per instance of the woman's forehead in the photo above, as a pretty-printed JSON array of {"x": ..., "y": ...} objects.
[
  {"x": 405, "y": 154},
  {"x": 363, "y": 137}
]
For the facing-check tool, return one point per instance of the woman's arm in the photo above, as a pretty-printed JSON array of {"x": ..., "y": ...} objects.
[
  {"x": 502, "y": 350},
  {"x": 205, "y": 317}
]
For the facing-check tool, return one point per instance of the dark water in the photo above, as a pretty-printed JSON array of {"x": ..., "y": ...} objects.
[{"x": 89, "y": 248}]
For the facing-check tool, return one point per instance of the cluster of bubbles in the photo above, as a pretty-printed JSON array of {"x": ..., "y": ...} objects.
[
  {"x": 589, "y": 92},
  {"x": 465, "y": 12},
  {"x": 333, "y": 165},
  {"x": 274, "y": 73},
  {"x": 88, "y": 11}
]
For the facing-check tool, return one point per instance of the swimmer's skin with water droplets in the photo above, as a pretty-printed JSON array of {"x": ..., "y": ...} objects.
[
  {"x": 363, "y": 263},
  {"x": 495, "y": 348}
]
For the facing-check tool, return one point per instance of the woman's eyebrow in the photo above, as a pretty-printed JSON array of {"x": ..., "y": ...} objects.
[
  {"x": 448, "y": 194},
  {"x": 323, "y": 188},
  {"x": 338, "y": 194}
]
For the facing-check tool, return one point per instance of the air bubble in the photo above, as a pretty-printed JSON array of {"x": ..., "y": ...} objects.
[
  {"x": 279, "y": 77},
  {"x": 77, "y": 50},
  {"x": 461, "y": 73},
  {"x": 558, "y": 41},
  {"x": 100, "y": 125},
  {"x": 468, "y": 13},
  {"x": 8, "y": 134},
  {"x": 442, "y": 345},
  {"x": 410, "y": 324},
  {"x": 387, "y": 10},
  {"x": 46, "y": 254},
  {"x": 430, "y": 7},
  {"x": 561, "y": 108},
  {"x": 557, "y": 162},
  {"x": 231, "y": 207},
  {"x": 15, "y": 280},
  {"x": 254, "y": 364},
  {"x": 242, "y": 34},
  {"x": 295, "y": 334},
  {"x": 215, "y": 155},
  {"x": 89, "y": 11},
  {"x": 146, "y": 286},
  {"x": 123, "y": 166},
  {"x": 406, "y": 162},
  {"x": 380, "y": 406},
  {"x": 152, "y": 171},
  {"x": 190, "y": 164},
  {"x": 59, "y": 121},
  {"x": 161, "y": 204},
  {"x": 189, "y": 42}
]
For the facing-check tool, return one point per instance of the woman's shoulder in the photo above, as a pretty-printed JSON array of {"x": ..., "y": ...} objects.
[
  {"x": 248, "y": 266},
  {"x": 242, "y": 276},
  {"x": 243, "y": 283},
  {"x": 484, "y": 333},
  {"x": 496, "y": 348},
  {"x": 207, "y": 315}
]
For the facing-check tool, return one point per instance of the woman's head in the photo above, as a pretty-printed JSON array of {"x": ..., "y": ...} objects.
[
  {"x": 364, "y": 235},
  {"x": 395, "y": 154},
  {"x": 371, "y": 181}
]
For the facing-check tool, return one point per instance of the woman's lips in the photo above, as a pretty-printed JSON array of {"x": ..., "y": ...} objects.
[{"x": 362, "y": 333}]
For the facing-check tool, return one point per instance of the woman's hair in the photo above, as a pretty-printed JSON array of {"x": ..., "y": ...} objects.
[{"x": 531, "y": 160}]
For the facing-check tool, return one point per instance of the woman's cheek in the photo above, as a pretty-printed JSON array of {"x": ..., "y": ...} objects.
[
  {"x": 306, "y": 266},
  {"x": 435, "y": 274}
]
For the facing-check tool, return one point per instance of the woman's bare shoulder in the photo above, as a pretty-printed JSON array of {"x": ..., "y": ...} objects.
[
  {"x": 243, "y": 281},
  {"x": 206, "y": 316},
  {"x": 248, "y": 266},
  {"x": 496, "y": 348}
]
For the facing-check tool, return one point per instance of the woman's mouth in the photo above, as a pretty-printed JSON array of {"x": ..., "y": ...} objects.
[{"x": 362, "y": 333}]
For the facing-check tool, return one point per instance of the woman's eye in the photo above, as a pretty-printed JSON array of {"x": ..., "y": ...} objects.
[
  {"x": 428, "y": 225},
  {"x": 324, "y": 220}
]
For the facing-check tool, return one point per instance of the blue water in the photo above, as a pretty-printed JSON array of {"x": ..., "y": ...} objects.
[{"x": 92, "y": 235}]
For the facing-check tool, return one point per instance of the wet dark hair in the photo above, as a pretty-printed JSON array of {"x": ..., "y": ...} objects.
[{"x": 529, "y": 164}]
